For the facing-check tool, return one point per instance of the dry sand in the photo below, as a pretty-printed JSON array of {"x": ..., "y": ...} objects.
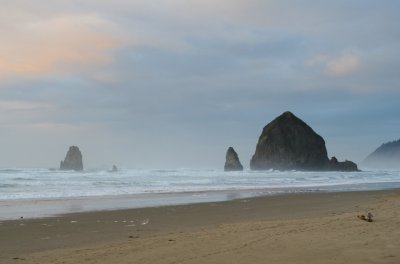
[{"x": 301, "y": 228}]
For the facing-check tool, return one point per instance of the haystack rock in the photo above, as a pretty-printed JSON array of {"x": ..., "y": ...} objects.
[
  {"x": 232, "y": 162},
  {"x": 288, "y": 143},
  {"x": 73, "y": 160}
]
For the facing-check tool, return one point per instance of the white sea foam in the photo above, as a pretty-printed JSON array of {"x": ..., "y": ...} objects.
[{"x": 18, "y": 184}]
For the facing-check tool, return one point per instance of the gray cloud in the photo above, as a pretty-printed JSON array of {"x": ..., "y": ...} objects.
[{"x": 185, "y": 80}]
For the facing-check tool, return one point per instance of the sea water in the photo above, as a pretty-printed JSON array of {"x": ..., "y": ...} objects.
[{"x": 37, "y": 192}]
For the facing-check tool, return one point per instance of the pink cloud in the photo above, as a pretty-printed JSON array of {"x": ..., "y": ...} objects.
[
  {"x": 53, "y": 44},
  {"x": 343, "y": 65},
  {"x": 335, "y": 66}
]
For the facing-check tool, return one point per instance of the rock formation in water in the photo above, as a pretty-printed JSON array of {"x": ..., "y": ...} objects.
[
  {"x": 232, "y": 162},
  {"x": 346, "y": 165},
  {"x": 73, "y": 160},
  {"x": 386, "y": 156},
  {"x": 288, "y": 143}
]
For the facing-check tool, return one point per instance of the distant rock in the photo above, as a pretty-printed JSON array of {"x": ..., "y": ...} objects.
[
  {"x": 386, "y": 156},
  {"x": 288, "y": 143},
  {"x": 73, "y": 160},
  {"x": 335, "y": 165},
  {"x": 232, "y": 162}
]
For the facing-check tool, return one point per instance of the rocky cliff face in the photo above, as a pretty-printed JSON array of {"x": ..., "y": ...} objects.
[
  {"x": 386, "y": 156},
  {"x": 73, "y": 160},
  {"x": 288, "y": 143},
  {"x": 232, "y": 162}
]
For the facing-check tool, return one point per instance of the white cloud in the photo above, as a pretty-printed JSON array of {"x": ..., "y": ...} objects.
[{"x": 10, "y": 106}]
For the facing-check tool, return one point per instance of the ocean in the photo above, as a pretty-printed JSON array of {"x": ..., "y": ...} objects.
[{"x": 42, "y": 192}]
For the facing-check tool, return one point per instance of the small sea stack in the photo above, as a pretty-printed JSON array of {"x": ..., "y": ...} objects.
[
  {"x": 347, "y": 165},
  {"x": 232, "y": 162},
  {"x": 73, "y": 160}
]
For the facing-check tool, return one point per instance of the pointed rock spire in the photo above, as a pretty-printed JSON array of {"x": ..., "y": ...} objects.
[
  {"x": 73, "y": 160},
  {"x": 232, "y": 162}
]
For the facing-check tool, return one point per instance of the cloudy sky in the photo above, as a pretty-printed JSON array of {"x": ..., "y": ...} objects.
[{"x": 174, "y": 83}]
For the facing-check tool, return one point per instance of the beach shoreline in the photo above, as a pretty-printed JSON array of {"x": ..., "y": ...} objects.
[
  {"x": 12, "y": 209},
  {"x": 63, "y": 238}
]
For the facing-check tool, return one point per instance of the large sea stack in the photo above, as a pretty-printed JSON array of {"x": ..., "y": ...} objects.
[
  {"x": 232, "y": 162},
  {"x": 73, "y": 160},
  {"x": 386, "y": 156},
  {"x": 288, "y": 143}
]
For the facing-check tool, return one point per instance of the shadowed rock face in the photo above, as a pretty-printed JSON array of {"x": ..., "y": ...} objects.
[
  {"x": 73, "y": 160},
  {"x": 232, "y": 162},
  {"x": 287, "y": 143}
]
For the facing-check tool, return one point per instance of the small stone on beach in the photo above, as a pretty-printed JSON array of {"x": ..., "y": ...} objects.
[{"x": 367, "y": 218}]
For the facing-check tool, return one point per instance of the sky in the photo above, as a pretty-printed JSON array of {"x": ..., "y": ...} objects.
[{"x": 174, "y": 83}]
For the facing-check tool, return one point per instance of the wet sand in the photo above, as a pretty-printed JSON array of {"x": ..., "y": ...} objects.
[{"x": 298, "y": 228}]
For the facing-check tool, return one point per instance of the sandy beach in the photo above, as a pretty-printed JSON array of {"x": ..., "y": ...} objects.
[{"x": 298, "y": 228}]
